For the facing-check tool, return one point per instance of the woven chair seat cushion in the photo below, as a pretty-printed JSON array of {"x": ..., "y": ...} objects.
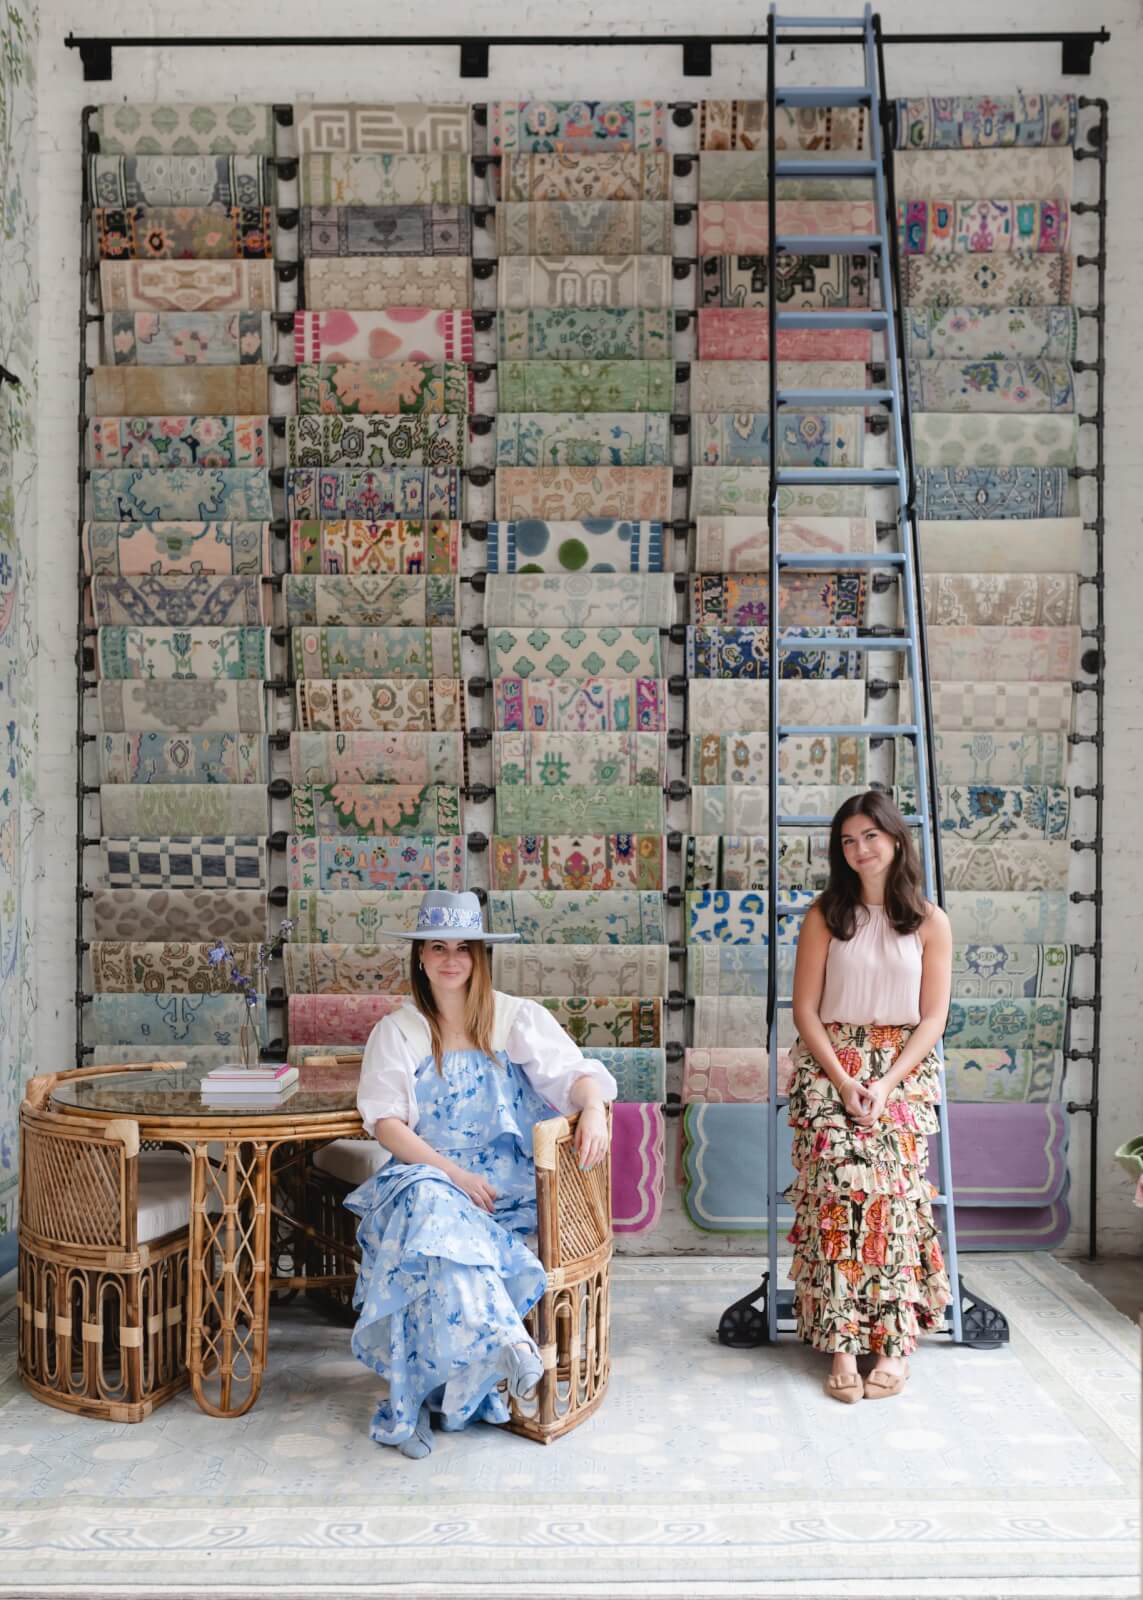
[
  {"x": 164, "y": 1193},
  {"x": 351, "y": 1160}
]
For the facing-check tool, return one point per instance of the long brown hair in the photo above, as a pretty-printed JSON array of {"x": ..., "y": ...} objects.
[
  {"x": 479, "y": 1001},
  {"x": 905, "y": 904}
]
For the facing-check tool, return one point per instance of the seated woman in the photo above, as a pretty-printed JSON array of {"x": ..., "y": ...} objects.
[
  {"x": 452, "y": 1085},
  {"x": 871, "y": 994}
]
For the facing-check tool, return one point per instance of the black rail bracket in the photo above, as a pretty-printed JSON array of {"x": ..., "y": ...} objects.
[
  {"x": 1076, "y": 52},
  {"x": 697, "y": 61},
  {"x": 96, "y": 57},
  {"x": 474, "y": 59}
]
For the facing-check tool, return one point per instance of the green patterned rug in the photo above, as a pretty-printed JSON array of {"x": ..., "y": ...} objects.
[{"x": 708, "y": 1471}]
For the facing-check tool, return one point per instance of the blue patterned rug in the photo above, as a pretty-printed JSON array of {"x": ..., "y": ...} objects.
[{"x": 708, "y": 1471}]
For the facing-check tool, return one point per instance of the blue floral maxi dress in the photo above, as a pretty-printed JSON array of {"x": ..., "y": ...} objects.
[{"x": 443, "y": 1286}]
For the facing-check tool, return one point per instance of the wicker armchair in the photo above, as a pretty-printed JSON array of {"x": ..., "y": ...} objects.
[
  {"x": 570, "y": 1324},
  {"x": 101, "y": 1299}
]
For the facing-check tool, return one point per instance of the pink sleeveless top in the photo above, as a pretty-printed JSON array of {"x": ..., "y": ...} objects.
[{"x": 875, "y": 976}]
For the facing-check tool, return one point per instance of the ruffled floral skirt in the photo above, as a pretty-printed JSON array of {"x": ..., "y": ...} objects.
[{"x": 869, "y": 1274}]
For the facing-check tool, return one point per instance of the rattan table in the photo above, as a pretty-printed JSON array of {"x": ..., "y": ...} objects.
[{"x": 236, "y": 1196}]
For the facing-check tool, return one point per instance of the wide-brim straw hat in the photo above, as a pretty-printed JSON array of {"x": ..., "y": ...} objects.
[{"x": 445, "y": 915}]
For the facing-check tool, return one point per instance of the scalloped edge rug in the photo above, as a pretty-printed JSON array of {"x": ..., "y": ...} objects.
[{"x": 491, "y": 1536}]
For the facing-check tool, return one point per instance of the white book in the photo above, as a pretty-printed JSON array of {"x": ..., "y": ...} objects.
[
  {"x": 279, "y": 1074},
  {"x": 245, "y": 1093},
  {"x": 276, "y": 1098},
  {"x": 230, "y": 1092}
]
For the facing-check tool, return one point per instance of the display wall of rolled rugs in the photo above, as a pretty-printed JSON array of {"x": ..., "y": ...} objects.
[{"x": 424, "y": 545}]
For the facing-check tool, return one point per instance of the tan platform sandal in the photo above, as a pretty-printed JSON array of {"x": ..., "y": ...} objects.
[
  {"x": 884, "y": 1385},
  {"x": 844, "y": 1386}
]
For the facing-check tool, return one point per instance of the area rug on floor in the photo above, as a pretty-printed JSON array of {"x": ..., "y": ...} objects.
[{"x": 708, "y": 1472}]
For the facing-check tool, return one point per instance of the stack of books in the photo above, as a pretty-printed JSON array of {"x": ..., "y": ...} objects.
[{"x": 244, "y": 1087}]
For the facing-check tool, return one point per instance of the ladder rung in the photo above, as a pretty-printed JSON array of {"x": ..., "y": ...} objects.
[
  {"x": 876, "y": 321},
  {"x": 819, "y": 22},
  {"x": 832, "y": 730},
  {"x": 802, "y": 95},
  {"x": 828, "y": 244},
  {"x": 836, "y": 397},
  {"x": 790, "y": 641},
  {"x": 816, "y": 563},
  {"x": 833, "y": 477},
  {"x": 825, "y": 169}
]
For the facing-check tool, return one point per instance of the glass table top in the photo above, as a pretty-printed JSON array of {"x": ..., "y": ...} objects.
[{"x": 176, "y": 1093}]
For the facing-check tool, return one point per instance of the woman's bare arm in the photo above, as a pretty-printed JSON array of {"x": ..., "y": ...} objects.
[
  {"x": 591, "y": 1130},
  {"x": 936, "y": 989},
  {"x": 405, "y": 1145},
  {"x": 809, "y": 981},
  {"x": 399, "y": 1139}
]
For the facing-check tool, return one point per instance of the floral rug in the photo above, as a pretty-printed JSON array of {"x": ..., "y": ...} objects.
[{"x": 708, "y": 1471}]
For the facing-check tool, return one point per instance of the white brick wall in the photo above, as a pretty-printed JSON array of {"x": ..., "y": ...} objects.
[{"x": 344, "y": 74}]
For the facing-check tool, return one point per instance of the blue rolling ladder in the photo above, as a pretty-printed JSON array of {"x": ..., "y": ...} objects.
[{"x": 754, "y": 1319}]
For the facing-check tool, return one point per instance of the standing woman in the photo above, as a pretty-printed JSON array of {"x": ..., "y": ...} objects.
[
  {"x": 871, "y": 995},
  {"x": 452, "y": 1085}
]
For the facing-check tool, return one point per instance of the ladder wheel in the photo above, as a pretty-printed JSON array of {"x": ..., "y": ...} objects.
[{"x": 746, "y": 1324}]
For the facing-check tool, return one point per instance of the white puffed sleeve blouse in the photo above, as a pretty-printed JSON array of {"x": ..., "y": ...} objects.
[{"x": 527, "y": 1033}]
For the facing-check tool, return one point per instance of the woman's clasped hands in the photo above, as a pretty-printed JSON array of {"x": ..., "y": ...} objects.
[{"x": 864, "y": 1103}]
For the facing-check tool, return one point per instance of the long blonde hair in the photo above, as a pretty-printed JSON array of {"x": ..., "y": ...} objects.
[{"x": 479, "y": 1001}]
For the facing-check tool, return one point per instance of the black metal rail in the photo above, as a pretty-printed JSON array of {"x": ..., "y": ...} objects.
[
  {"x": 1100, "y": 530},
  {"x": 772, "y": 624},
  {"x": 1077, "y": 46},
  {"x": 1098, "y": 139},
  {"x": 82, "y": 741}
]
